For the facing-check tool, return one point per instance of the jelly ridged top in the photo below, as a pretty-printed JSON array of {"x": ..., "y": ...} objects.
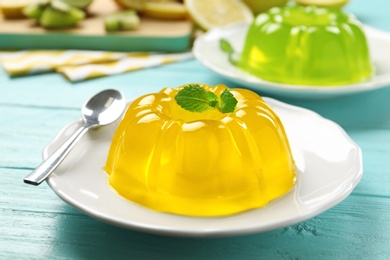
[
  {"x": 200, "y": 164},
  {"x": 307, "y": 46}
]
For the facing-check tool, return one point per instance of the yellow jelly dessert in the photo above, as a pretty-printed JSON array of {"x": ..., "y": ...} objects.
[
  {"x": 308, "y": 46},
  {"x": 207, "y": 163}
]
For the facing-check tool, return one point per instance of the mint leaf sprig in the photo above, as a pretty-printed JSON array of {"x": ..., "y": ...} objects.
[
  {"x": 227, "y": 48},
  {"x": 194, "y": 98}
]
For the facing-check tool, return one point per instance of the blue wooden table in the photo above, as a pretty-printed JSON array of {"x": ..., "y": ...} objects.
[{"x": 36, "y": 224}]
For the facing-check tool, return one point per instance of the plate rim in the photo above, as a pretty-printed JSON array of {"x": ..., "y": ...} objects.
[{"x": 159, "y": 230}]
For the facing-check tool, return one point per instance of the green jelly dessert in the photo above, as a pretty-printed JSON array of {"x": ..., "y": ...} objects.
[{"x": 306, "y": 46}]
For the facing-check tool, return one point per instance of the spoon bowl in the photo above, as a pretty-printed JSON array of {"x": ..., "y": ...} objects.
[{"x": 102, "y": 109}]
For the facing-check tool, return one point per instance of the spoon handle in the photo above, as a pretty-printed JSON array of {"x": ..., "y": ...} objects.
[{"x": 37, "y": 176}]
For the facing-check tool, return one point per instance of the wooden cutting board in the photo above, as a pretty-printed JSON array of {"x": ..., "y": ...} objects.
[{"x": 153, "y": 34}]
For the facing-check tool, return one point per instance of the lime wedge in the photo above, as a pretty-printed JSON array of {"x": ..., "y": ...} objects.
[
  {"x": 208, "y": 14},
  {"x": 13, "y": 9},
  {"x": 139, "y": 4},
  {"x": 165, "y": 10},
  {"x": 130, "y": 4}
]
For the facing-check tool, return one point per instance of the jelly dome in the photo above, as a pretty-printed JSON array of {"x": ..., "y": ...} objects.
[
  {"x": 307, "y": 46},
  {"x": 200, "y": 164}
]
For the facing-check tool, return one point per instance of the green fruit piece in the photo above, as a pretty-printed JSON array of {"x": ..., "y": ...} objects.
[
  {"x": 60, "y": 15},
  {"x": 111, "y": 23},
  {"x": 35, "y": 9},
  {"x": 82, "y": 4},
  {"x": 121, "y": 21}
]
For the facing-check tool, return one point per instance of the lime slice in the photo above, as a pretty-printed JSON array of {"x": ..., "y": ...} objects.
[
  {"x": 130, "y": 4},
  {"x": 165, "y": 10},
  {"x": 323, "y": 3},
  {"x": 208, "y": 14},
  {"x": 137, "y": 4},
  {"x": 13, "y": 9}
]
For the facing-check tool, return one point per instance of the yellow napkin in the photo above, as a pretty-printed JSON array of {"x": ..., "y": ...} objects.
[{"x": 78, "y": 65}]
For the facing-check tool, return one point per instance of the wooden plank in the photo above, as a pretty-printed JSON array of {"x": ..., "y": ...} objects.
[
  {"x": 352, "y": 111},
  {"x": 36, "y": 224},
  {"x": 375, "y": 14},
  {"x": 376, "y": 164},
  {"x": 61, "y": 93},
  {"x": 26, "y": 130},
  {"x": 355, "y": 111},
  {"x": 30, "y": 123}
]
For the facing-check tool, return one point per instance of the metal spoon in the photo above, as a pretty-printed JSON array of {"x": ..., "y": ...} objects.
[{"x": 102, "y": 109}]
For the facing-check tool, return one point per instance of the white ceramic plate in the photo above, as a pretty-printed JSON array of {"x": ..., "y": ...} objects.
[
  {"x": 207, "y": 51},
  {"x": 329, "y": 166}
]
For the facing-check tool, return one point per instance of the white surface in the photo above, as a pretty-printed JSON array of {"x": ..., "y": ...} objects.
[
  {"x": 207, "y": 51},
  {"x": 329, "y": 166}
]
